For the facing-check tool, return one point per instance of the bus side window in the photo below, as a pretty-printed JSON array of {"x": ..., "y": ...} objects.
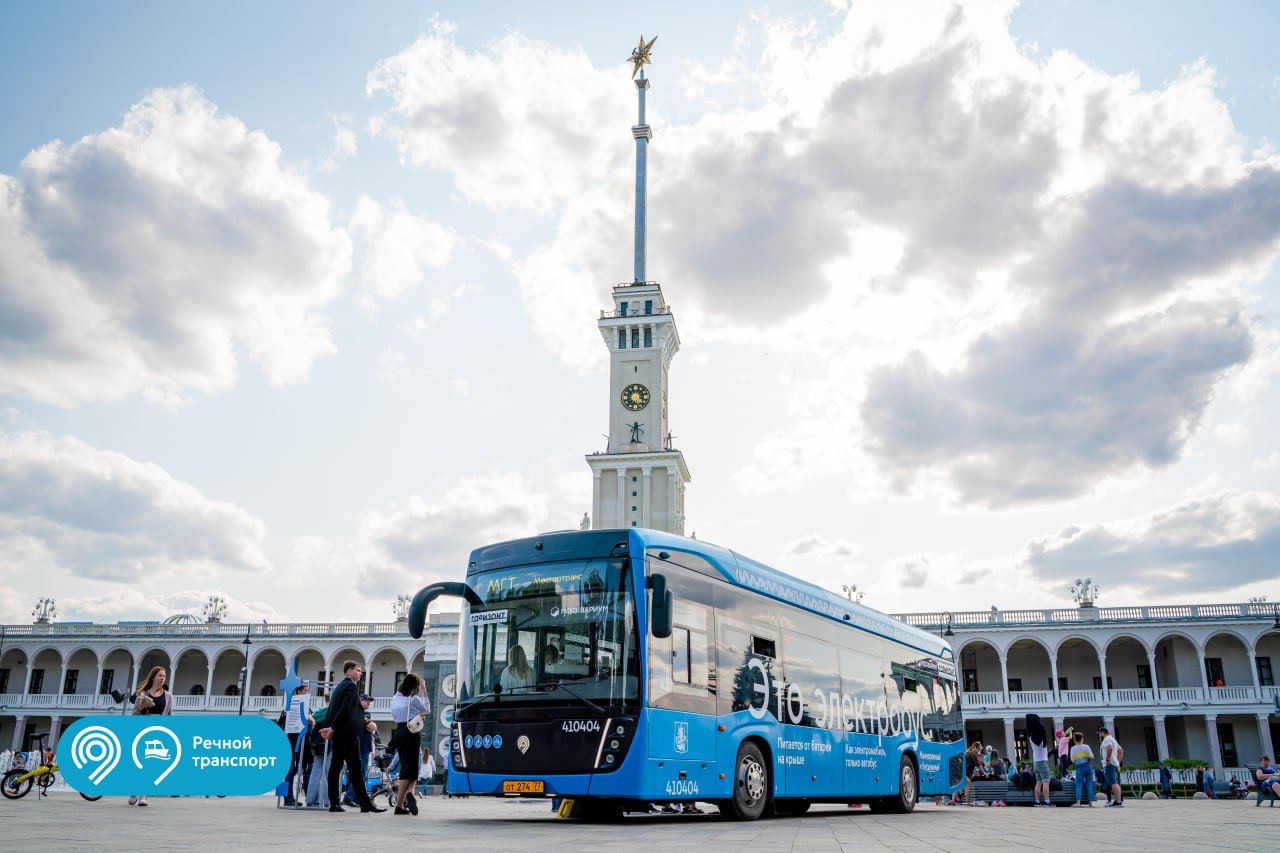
[{"x": 764, "y": 647}]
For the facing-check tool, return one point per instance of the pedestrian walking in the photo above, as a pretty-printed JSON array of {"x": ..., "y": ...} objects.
[
  {"x": 297, "y": 717},
  {"x": 409, "y": 703},
  {"x": 152, "y": 697},
  {"x": 344, "y": 722},
  {"x": 1166, "y": 781},
  {"x": 367, "y": 730},
  {"x": 1082, "y": 760},
  {"x": 1112, "y": 755}
]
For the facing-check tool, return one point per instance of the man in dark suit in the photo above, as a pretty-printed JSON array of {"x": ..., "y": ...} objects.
[{"x": 344, "y": 720}]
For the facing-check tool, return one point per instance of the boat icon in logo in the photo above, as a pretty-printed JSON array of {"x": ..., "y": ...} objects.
[{"x": 155, "y": 749}]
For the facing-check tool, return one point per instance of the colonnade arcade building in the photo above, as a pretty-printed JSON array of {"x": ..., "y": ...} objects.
[
  {"x": 53, "y": 673},
  {"x": 1182, "y": 681}
]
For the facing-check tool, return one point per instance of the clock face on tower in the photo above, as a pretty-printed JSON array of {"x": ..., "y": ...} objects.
[{"x": 635, "y": 397}]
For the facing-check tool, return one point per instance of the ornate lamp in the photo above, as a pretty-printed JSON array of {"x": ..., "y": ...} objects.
[{"x": 1085, "y": 592}]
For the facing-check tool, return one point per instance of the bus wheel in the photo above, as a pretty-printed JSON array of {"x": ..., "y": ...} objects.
[
  {"x": 750, "y": 784},
  {"x": 791, "y": 808},
  {"x": 908, "y": 791}
]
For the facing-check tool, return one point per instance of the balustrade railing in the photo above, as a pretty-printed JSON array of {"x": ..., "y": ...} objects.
[
  {"x": 188, "y": 703},
  {"x": 1069, "y": 615},
  {"x": 1081, "y": 697},
  {"x": 1232, "y": 694},
  {"x": 1181, "y": 694},
  {"x": 1131, "y": 695},
  {"x": 1030, "y": 698},
  {"x": 983, "y": 699}
]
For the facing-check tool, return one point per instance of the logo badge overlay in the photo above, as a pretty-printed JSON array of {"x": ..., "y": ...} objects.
[
  {"x": 187, "y": 755},
  {"x": 522, "y": 744},
  {"x": 682, "y": 738}
]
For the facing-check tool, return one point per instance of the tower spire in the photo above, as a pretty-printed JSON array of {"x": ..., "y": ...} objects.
[{"x": 642, "y": 134}]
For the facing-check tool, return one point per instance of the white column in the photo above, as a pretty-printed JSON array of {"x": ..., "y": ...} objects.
[
  {"x": 1204, "y": 676},
  {"x": 26, "y": 682},
  {"x": 55, "y": 728},
  {"x": 1102, "y": 665},
  {"x": 1004, "y": 678},
  {"x": 1010, "y": 748},
  {"x": 208, "y": 687},
  {"x": 1155, "y": 683},
  {"x": 595, "y": 499},
  {"x": 97, "y": 685},
  {"x": 1058, "y": 726},
  {"x": 248, "y": 676},
  {"x": 1211, "y": 725},
  {"x": 622, "y": 498},
  {"x": 19, "y": 726},
  {"x": 1162, "y": 738},
  {"x": 1253, "y": 670},
  {"x": 1264, "y": 735},
  {"x": 62, "y": 680},
  {"x": 646, "y": 519},
  {"x": 672, "y": 473},
  {"x": 1053, "y": 674},
  {"x": 1110, "y": 723}
]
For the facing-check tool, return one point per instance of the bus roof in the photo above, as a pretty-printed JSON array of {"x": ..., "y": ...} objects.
[
  {"x": 747, "y": 573},
  {"x": 737, "y": 569}
]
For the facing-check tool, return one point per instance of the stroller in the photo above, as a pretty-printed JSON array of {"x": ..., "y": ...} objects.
[{"x": 381, "y": 779}]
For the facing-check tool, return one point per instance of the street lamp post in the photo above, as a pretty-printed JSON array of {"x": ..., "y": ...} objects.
[{"x": 244, "y": 671}]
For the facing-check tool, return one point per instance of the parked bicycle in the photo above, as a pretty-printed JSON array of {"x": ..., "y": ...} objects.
[{"x": 18, "y": 781}]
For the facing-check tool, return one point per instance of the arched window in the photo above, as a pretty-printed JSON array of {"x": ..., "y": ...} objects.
[
  {"x": 267, "y": 690},
  {"x": 197, "y": 690},
  {"x": 232, "y": 690}
]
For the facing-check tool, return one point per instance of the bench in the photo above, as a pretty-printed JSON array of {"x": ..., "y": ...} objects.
[
  {"x": 991, "y": 791},
  {"x": 1271, "y": 793}
]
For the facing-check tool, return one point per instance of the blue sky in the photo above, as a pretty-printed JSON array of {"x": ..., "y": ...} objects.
[{"x": 922, "y": 448}]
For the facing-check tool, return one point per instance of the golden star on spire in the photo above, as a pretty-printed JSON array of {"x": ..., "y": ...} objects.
[{"x": 640, "y": 55}]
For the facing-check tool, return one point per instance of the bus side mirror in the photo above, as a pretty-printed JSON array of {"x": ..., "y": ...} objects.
[{"x": 663, "y": 604}]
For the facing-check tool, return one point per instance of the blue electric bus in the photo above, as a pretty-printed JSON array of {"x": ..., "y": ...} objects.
[{"x": 617, "y": 668}]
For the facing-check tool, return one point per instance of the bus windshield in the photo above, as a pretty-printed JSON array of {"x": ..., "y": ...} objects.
[{"x": 556, "y": 632}]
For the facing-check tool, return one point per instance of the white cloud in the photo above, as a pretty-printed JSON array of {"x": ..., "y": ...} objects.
[
  {"x": 498, "y": 118},
  {"x": 820, "y": 547},
  {"x": 1071, "y": 249},
  {"x": 459, "y": 386},
  {"x": 401, "y": 549},
  {"x": 399, "y": 247},
  {"x": 1211, "y": 544},
  {"x": 391, "y": 365},
  {"x": 135, "y": 604},
  {"x": 150, "y": 258},
  {"x": 102, "y": 515}
]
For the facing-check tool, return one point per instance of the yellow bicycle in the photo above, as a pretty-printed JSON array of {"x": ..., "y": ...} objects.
[{"x": 18, "y": 781}]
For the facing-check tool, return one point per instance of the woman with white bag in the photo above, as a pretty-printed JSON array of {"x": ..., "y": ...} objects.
[{"x": 409, "y": 709}]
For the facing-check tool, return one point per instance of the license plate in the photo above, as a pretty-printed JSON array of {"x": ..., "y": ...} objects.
[{"x": 523, "y": 786}]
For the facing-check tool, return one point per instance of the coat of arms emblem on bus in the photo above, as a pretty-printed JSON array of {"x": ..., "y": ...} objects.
[{"x": 682, "y": 738}]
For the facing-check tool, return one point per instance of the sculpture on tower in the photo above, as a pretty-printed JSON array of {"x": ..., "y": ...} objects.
[{"x": 640, "y": 55}]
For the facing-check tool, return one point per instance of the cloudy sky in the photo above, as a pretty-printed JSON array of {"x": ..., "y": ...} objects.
[{"x": 297, "y": 301}]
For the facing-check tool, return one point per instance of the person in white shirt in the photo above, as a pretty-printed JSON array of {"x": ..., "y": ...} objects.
[
  {"x": 296, "y": 717},
  {"x": 1111, "y": 755},
  {"x": 410, "y": 701},
  {"x": 518, "y": 672}
]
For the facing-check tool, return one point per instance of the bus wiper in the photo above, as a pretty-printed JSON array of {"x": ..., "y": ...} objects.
[
  {"x": 572, "y": 693},
  {"x": 478, "y": 699}
]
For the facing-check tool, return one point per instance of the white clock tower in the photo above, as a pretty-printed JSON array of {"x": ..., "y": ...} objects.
[{"x": 640, "y": 479}]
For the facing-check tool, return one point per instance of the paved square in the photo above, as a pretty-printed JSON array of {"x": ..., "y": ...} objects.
[{"x": 66, "y": 822}]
